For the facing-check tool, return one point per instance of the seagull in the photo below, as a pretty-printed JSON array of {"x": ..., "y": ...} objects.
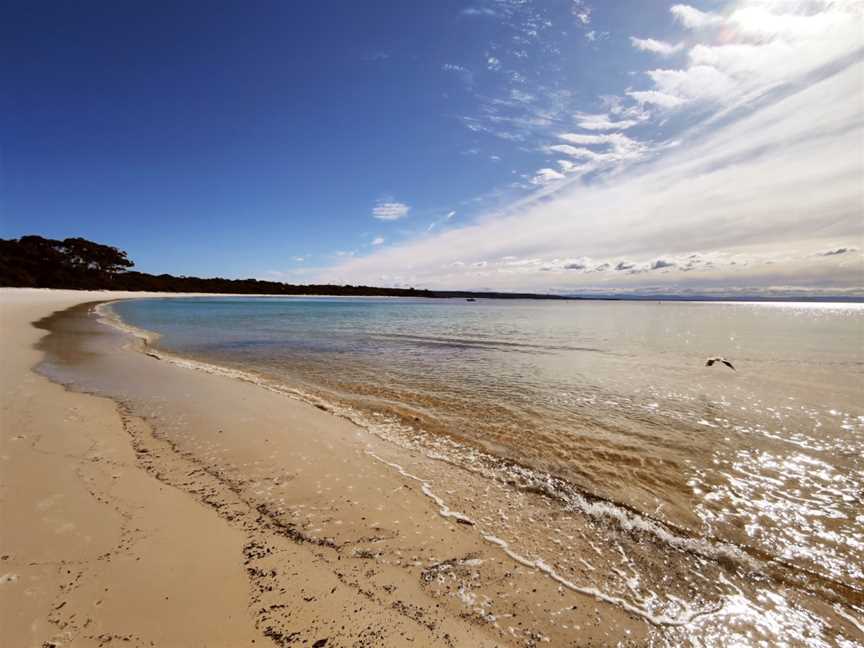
[{"x": 711, "y": 361}]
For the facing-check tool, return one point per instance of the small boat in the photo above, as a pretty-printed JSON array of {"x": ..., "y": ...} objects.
[{"x": 470, "y": 299}]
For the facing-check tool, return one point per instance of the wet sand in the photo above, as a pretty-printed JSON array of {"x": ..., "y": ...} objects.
[{"x": 196, "y": 509}]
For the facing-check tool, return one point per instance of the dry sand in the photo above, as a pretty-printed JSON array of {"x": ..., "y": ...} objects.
[
  {"x": 217, "y": 513},
  {"x": 92, "y": 547}
]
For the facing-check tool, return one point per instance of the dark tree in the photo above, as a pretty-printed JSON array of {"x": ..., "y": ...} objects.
[
  {"x": 84, "y": 255},
  {"x": 47, "y": 263},
  {"x": 33, "y": 261}
]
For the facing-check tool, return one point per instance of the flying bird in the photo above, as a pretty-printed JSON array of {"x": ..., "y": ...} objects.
[{"x": 711, "y": 361}]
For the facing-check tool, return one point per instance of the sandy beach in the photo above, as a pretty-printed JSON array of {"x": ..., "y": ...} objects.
[
  {"x": 94, "y": 548},
  {"x": 230, "y": 515}
]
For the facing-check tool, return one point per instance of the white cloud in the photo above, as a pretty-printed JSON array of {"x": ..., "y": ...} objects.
[
  {"x": 546, "y": 176},
  {"x": 656, "y": 46},
  {"x": 760, "y": 45},
  {"x": 696, "y": 82},
  {"x": 389, "y": 210},
  {"x": 618, "y": 107},
  {"x": 614, "y": 149},
  {"x": 763, "y": 191},
  {"x": 603, "y": 122},
  {"x": 694, "y": 18},
  {"x": 657, "y": 98},
  {"x": 447, "y": 217},
  {"x": 378, "y": 240},
  {"x": 616, "y": 139},
  {"x": 594, "y": 35},
  {"x": 569, "y": 167},
  {"x": 582, "y": 11},
  {"x": 572, "y": 151},
  {"x": 478, "y": 11}
]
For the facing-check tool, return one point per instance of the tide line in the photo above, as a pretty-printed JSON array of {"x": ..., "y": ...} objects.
[{"x": 540, "y": 565}]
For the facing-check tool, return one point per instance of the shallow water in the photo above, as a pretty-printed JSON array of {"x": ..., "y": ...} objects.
[{"x": 750, "y": 481}]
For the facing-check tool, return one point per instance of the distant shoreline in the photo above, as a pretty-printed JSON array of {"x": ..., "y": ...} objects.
[
  {"x": 78, "y": 264},
  {"x": 449, "y": 294}
]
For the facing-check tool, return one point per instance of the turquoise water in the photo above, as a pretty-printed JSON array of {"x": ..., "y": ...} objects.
[{"x": 611, "y": 400}]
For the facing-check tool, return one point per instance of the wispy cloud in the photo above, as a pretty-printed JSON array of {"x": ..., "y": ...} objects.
[
  {"x": 606, "y": 151},
  {"x": 380, "y": 55},
  {"x": 478, "y": 11},
  {"x": 603, "y": 123},
  {"x": 695, "y": 18},
  {"x": 582, "y": 11},
  {"x": 657, "y": 46},
  {"x": 546, "y": 176},
  {"x": 656, "y": 98},
  {"x": 515, "y": 76},
  {"x": 389, "y": 210},
  {"x": 757, "y": 188},
  {"x": 441, "y": 220},
  {"x": 378, "y": 240}
]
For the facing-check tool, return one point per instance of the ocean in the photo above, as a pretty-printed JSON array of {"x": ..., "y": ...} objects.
[{"x": 750, "y": 481}]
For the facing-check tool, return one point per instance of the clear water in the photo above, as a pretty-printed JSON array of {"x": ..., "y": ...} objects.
[{"x": 610, "y": 406}]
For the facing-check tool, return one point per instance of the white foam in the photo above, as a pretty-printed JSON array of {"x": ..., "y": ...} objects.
[
  {"x": 539, "y": 564},
  {"x": 856, "y": 622},
  {"x": 656, "y": 619},
  {"x": 109, "y": 316},
  {"x": 443, "y": 509}
]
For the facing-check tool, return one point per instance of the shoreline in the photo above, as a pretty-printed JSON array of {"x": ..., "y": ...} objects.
[
  {"x": 299, "y": 496},
  {"x": 374, "y": 594},
  {"x": 524, "y": 477},
  {"x": 518, "y": 475}
]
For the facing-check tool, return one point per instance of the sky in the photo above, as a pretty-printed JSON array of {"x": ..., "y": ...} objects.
[{"x": 568, "y": 146}]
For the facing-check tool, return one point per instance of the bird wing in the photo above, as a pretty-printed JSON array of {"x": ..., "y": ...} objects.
[
  {"x": 709, "y": 362},
  {"x": 729, "y": 364}
]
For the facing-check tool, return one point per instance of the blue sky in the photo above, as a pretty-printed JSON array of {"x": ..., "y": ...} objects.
[{"x": 510, "y": 144}]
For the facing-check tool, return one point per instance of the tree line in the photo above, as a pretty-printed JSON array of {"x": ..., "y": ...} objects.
[{"x": 76, "y": 263}]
